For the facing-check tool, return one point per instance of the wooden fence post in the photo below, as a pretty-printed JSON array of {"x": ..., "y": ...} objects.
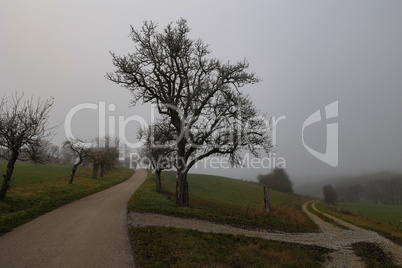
[{"x": 266, "y": 201}]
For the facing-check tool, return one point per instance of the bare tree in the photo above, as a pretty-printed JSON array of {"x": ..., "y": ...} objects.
[
  {"x": 67, "y": 156},
  {"x": 109, "y": 154},
  {"x": 156, "y": 150},
  {"x": 93, "y": 158},
  {"x": 80, "y": 151},
  {"x": 23, "y": 132},
  {"x": 103, "y": 154},
  {"x": 53, "y": 153},
  {"x": 199, "y": 97}
]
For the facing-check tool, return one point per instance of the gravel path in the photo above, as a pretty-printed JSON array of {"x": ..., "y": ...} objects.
[
  {"x": 90, "y": 232},
  {"x": 330, "y": 236}
]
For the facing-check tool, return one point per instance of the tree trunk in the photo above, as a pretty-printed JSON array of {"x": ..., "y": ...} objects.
[
  {"x": 95, "y": 171},
  {"x": 266, "y": 201},
  {"x": 9, "y": 172},
  {"x": 182, "y": 196},
  {"x": 158, "y": 181},
  {"x": 102, "y": 171},
  {"x": 70, "y": 181}
]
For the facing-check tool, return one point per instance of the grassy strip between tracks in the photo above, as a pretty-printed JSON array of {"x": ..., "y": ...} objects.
[{"x": 324, "y": 218}]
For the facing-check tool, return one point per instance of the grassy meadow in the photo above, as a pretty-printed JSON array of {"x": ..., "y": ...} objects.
[
  {"x": 388, "y": 214},
  {"x": 375, "y": 219},
  {"x": 37, "y": 189},
  {"x": 224, "y": 200},
  {"x": 26, "y": 173}
]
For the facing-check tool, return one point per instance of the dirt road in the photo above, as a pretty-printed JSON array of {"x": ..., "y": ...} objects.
[{"x": 91, "y": 232}]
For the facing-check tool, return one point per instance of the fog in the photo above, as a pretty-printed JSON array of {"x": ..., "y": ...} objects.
[{"x": 308, "y": 54}]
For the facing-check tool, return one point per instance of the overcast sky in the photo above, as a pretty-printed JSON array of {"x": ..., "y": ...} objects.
[{"x": 307, "y": 53}]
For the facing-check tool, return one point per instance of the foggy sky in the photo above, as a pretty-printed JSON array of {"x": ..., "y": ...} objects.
[{"x": 307, "y": 53}]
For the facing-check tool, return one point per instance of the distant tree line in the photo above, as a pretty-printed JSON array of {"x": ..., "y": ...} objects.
[
  {"x": 385, "y": 191},
  {"x": 330, "y": 195},
  {"x": 351, "y": 193},
  {"x": 101, "y": 157},
  {"x": 277, "y": 180},
  {"x": 102, "y": 154},
  {"x": 380, "y": 188}
]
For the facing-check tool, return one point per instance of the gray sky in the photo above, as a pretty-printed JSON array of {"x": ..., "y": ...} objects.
[{"x": 307, "y": 53}]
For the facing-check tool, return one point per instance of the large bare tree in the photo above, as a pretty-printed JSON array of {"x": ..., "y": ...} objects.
[
  {"x": 198, "y": 96},
  {"x": 24, "y": 132}
]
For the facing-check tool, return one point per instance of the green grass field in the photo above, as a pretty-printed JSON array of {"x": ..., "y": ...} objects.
[
  {"x": 37, "y": 189},
  {"x": 26, "y": 173},
  {"x": 389, "y": 214},
  {"x": 371, "y": 222},
  {"x": 228, "y": 191},
  {"x": 224, "y": 200}
]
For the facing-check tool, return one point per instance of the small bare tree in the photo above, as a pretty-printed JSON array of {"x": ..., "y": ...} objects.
[
  {"x": 103, "y": 154},
  {"x": 156, "y": 149},
  {"x": 23, "y": 133},
  {"x": 109, "y": 155},
  {"x": 53, "y": 153},
  {"x": 93, "y": 158},
  {"x": 80, "y": 151}
]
